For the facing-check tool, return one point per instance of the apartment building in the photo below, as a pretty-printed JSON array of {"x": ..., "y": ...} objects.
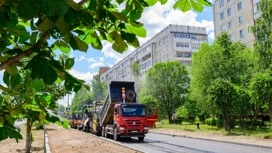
[
  {"x": 175, "y": 42},
  {"x": 236, "y": 17}
]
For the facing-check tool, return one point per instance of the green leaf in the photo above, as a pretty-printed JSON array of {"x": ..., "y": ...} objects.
[
  {"x": 63, "y": 46},
  {"x": 18, "y": 30},
  {"x": 43, "y": 99},
  {"x": 49, "y": 75},
  {"x": 33, "y": 37},
  {"x": 71, "y": 83},
  {"x": 163, "y": 2},
  {"x": 36, "y": 84},
  {"x": 52, "y": 117},
  {"x": 204, "y": 2},
  {"x": 183, "y": 5},
  {"x": 12, "y": 70},
  {"x": 15, "y": 80},
  {"x": 119, "y": 44},
  {"x": 54, "y": 7},
  {"x": 196, "y": 6},
  {"x": 10, "y": 132},
  {"x": 139, "y": 31},
  {"x": 1, "y": 100},
  {"x": 69, "y": 63},
  {"x": 94, "y": 40},
  {"x": 82, "y": 46},
  {"x": 151, "y": 2},
  {"x": 6, "y": 78},
  {"x": 74, "y": 5},
  {"x": 27, "y": 9},
  {"x": 119, "y": 15},
  {"x": 62, "y": 25},
  {"x": 45, "y": 25}
]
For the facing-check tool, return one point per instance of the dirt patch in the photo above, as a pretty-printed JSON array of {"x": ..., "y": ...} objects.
[
  {"x": 72, "y": 140},
  {"x": 11, "y": 146},
  {"x": 216, "y": 136}
]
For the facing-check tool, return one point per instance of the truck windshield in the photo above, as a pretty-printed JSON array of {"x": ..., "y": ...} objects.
[{"x": 133, "y": 110}]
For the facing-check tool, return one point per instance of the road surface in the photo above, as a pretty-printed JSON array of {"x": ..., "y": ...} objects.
[{"x": 158, "y": 143}]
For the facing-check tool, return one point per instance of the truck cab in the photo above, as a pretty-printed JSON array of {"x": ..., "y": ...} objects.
[{"x": 130, "y": 120}]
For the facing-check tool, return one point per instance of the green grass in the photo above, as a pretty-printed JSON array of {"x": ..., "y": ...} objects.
[{"x": 265, "y": 133}]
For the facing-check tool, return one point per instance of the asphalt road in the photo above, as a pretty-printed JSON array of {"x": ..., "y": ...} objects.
[{"x": 158, "y": 143}]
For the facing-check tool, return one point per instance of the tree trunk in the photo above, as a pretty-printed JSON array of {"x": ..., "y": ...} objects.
[
  {"x": 226, "y": 123},
  {"x": 28, "y": 135},
  {"x": 170, "y": 118},
  {"x": 270, "y": 111}
]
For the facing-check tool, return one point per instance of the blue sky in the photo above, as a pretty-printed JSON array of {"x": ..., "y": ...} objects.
[{"x": 155, "y": 19}]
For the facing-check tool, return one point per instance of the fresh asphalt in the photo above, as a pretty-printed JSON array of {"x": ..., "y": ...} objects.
[{"x": 160, "y": 143}]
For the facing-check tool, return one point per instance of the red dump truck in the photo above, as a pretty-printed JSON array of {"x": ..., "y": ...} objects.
[{"x": 121, "y": 116}]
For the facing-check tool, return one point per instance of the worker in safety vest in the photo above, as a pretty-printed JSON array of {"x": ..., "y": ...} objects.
[{"x": 197, "y": 121}]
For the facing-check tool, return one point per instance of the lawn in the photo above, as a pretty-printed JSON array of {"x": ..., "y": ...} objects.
[{"x": 265, "y": 133}]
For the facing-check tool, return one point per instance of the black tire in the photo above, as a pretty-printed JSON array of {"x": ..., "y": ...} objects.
[
  {"x": 115, "y": 135},
  {"x": 103, "y": 131},
  {"x": 141, "y": 138}
]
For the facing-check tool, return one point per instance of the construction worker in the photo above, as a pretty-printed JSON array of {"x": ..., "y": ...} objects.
[{"x": 197, "y": 121}]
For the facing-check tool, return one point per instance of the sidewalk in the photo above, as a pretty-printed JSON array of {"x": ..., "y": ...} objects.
[
  {"x": 72, "y": 141},
  {"x": 11, "y": 146}
]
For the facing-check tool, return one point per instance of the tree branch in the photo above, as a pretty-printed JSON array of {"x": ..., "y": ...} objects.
[
  {"x": 83, "y": 2},
  {"x": 26, "y": 53}
]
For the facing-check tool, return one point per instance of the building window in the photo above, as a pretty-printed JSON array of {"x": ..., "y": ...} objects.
[
  {"x": 258, "y": 6},
  {"x": 222, "y": 16},
  {"x": 223, "y": 28},
  {"x": 242, "y": 33},
  {"x": 241, "y": 20},
  {"x": 229, "y": 11},
  {"x": 181, "y": 35},
  {"x": 230, "y": 24},
  {"x": 221, "y": 3},
  {"x": 231, "y": 37},
  {"x": 239, "y": 6}
]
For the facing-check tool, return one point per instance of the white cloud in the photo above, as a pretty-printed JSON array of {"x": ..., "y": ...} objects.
[
  {"x": 96, "y": 64},
  {"x": 101, "y": 59},
  {"x": 211, "y": 35},
  {"x": 157, "y": 18},
  {"x": 67, "y": 99},
  {"x": 88, "y": 76}
]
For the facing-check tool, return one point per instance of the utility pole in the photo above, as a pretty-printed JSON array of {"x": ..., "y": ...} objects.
[{"x": 68, "y": 101}]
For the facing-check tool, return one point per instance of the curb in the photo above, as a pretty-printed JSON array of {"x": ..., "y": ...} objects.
[
  {"x": 239, "y": 143},
  {"x": 46, "y": 142},
  {"x": 121, "y": 144}
]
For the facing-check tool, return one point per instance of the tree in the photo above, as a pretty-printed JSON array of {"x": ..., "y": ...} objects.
[
  {"x": 263, "y": 35},
  {"x": 261, "y": 91},
  {"x": 261, "y": 81},
  {"x": 27, "y": 25},
  {"x": 220, "y": 86},
  {"x": 82, "y": 97},
  {"x": 167, "y": 82},
  {"x": 99, "y": 89}
]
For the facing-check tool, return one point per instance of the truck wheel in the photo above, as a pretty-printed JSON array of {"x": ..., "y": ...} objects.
[
  {"x": 103, "y": 131},
  {"x": 106, "y": 133},
  {"x": 115, "y": 135},
  {"x": 141, "y": 138}
]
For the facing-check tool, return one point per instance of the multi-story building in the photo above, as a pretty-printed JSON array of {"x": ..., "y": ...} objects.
[
  {"x": 175, "y": 42},
  {"x": 236, "y": 17}
]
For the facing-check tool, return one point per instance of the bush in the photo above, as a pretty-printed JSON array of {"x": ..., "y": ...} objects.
[{"x": 210, "y": 121}]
